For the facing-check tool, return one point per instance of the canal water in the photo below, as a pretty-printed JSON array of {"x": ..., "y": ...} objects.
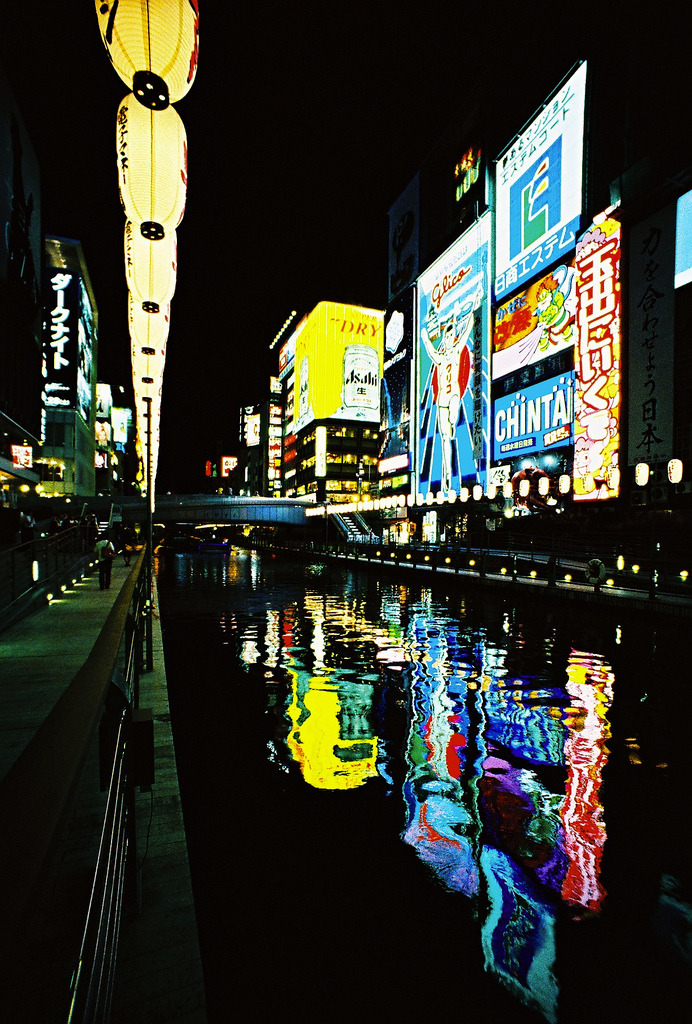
[{"x": 420, "y": 803}]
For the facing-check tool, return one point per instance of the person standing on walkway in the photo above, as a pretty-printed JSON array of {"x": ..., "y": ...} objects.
[{"x": 105, "y": 552}]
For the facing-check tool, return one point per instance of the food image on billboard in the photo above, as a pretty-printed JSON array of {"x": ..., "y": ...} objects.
[
  {"x": 538, "y": 189},
  {"x": 597, "y": 363},
  {"x": 339, "y": 364},
  {"x": 395, "y": 418},
  {"x": 536, "y": 323},
  {"x": 453, "y": 346}
]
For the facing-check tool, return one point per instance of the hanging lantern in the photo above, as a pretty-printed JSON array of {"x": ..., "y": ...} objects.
[
  {"x": 149, "y": 328},
  {"x": 150, "y": 267},
  {"x": 153, "y": 45},
  {"x": 147, "y": 367},
  {"x": 152, "y": 167}
]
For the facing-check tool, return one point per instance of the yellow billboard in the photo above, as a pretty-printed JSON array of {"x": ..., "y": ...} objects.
[{"x": 338, "y": 364}]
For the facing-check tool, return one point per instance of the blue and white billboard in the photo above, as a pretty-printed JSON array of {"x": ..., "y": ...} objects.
[
  {"x": 453, "y": 381},
  {"x": 538, "y": 189},
  {"x": 534, "y": 419}
]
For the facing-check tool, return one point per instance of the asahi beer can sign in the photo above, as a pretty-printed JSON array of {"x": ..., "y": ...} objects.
[{"x": 361, "y": 391}]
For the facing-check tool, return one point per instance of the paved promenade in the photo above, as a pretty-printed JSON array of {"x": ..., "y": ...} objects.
[{"x": 159, "y": 968}]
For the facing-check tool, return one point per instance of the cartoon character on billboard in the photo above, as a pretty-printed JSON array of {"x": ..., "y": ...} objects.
[
  {"x": 452, "y": 369},
  {"x": 554, "y": 313}
]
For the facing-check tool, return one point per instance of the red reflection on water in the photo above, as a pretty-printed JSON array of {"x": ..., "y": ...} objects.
[{"x": 590, "y": 684}]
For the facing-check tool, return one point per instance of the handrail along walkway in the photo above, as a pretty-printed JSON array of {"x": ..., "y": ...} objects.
[{"x": 37, "y": 793}]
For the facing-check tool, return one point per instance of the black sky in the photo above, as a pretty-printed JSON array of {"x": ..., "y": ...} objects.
[{"x": 305, "y": 122}]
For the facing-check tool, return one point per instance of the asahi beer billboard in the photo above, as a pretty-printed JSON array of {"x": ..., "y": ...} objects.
[
  {"x": 453, "y": 343},
  {"x": 538, "y": 189},
  {"x": 338, "y": 365}
]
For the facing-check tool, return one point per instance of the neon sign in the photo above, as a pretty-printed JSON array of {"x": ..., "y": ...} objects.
[{"x": 597, "y": 363}]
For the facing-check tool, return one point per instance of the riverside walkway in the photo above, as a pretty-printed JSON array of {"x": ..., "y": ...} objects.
[{"x": 159, "y": 972}]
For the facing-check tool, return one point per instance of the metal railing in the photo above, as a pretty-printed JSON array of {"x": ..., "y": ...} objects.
[
  {"x": 37, "y": 804},
  {"x": 30, "y": 570},
  {"x": 624, "y": 574},
  {"x": 116, "y": 872}
]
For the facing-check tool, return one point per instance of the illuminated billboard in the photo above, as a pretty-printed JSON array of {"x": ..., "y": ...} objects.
[
  {"x": 339, "y": 364},
  {"x": 121, "y": 420},
  {"x": 534, "y": 419},
  {"x": 61, "y": 301},
  {"x": 597, "y": 363},
  {"x": 86, "y": 333},
  {"x": 453, "y": 345},
  {"x": 538, "y": 189},
  {"x": 683, "y": 241},
  {"x": 395, "y": 419},
  {"x": 536, "y": 323}
]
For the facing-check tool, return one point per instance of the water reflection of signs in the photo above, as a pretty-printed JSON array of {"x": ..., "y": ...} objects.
[
  {"x": 519, "y": 934},
  {"x": 328, "y": 758}
]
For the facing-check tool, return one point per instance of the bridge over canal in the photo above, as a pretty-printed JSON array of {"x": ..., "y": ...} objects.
[{"x": 203, "y": 509}]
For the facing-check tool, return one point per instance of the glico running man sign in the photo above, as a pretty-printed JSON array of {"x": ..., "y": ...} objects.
[{"x": 452, "y": 366}]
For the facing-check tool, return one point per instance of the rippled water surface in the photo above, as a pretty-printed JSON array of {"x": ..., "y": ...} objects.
[{"x": 404, "y": 802}]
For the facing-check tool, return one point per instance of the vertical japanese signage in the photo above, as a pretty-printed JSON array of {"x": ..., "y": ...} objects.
[
  {"x": 597, "y": 363},
  {"x": 453, "y": 373},
  {"x": 539, "y": 189},
  {"x": 274, "y": 432},
  {"x": 61, "y": 332},
  {"x": 651, "y": 330}
]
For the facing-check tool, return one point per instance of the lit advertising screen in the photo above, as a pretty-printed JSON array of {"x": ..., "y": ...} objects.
[
  {"x": 534, "y": 419},
  {"x": 395, "y": 418},
  {"x": 252, "y": 430},
  {"x": 104, "y": 401},
  {"x": 86, "y": 333},
  {"x": 536, "y": 323},
  {"x": 538, "y": 189},
  {"x": 61, "y": 335},
  {"x": 339, "y": 364},
  {"x": 120, "y": 421},
  {"x": 453, "y": 345},
  {"x": 597, "y": 363},
  {"x": 683, "y": 241}
]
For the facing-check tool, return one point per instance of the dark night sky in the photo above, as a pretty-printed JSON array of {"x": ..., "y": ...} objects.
[{"x": 305, "y": 122}]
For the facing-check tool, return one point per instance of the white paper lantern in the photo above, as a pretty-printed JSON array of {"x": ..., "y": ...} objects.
[
  {"x": 152, "y": 167},
  {"x": 153, "y": 45},
  {"x": 150, "y": 267},
  {"x": 149, "y": 328}
]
